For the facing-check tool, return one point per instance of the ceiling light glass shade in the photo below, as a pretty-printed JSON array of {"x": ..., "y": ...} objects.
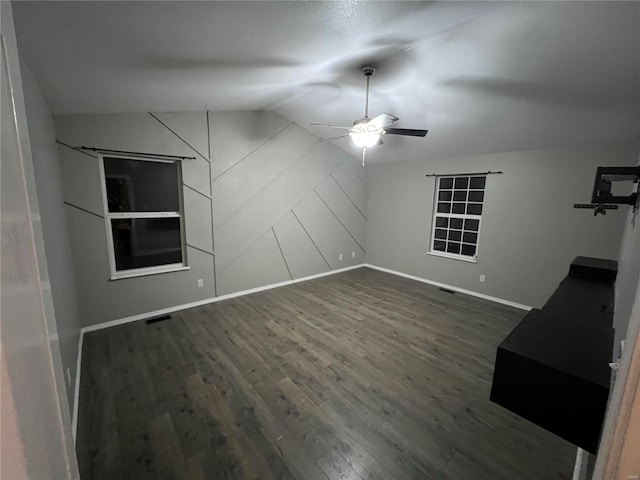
[{"x": 365, "y": 139}]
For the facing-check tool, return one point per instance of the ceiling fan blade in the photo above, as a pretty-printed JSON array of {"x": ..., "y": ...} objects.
[
  {"x": 334, "y": 138},
  {"x": 328, "y": 126},
  {"x": 409, "y": 132},
  {"x": 383, "y": 120}
]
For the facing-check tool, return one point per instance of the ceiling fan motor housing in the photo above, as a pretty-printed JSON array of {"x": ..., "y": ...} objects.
[
  {"x": 361, "y": 120},
  {"x": 368, "y": 70}
]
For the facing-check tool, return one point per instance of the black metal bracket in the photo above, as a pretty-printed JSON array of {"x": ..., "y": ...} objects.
[
  {"x": 605, "y": 177},
  {"x": 597, "y": 208}
]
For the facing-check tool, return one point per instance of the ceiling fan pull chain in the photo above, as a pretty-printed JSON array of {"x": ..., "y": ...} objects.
[{"x": 364, "y": 152}]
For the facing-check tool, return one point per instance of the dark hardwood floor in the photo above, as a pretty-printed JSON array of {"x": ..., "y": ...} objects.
[{"x": 359, "y": 375}]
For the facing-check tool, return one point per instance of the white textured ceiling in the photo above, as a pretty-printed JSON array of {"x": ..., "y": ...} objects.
[{"x": 481, "y": 77}]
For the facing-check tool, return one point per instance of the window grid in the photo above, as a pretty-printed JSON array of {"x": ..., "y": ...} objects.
[{"x": 458, "y": 205}]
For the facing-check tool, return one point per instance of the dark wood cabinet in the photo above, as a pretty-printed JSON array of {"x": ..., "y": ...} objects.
[{"x": 553, "y": 368}]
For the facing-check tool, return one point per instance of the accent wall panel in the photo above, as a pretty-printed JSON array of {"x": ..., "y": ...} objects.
[
  {"x": 191, "y": 127},
  {"x": 235, "y": 135},
  {"x": 331, "y": 237},
  {"x": 350, "y": 178},
  {"x": 256, "y": 172},
  {"x": 271, "y": 204},
  {"x": 263, "y": 258},
  {"x": 241, "y": 231},
  {"x": 344, "y": 210},
  {"x": 299, "y": 251},
  {"x": 197, "y": 209},
  {"x": 81, "y": 180}
]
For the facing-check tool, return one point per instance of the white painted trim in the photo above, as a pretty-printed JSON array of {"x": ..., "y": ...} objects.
[
  {"x": 452, "y": 256},
  {"x": 463, "y": 216},
  {"x": 108, "y": 216},
  {"x": 220, "y": 298},
  {"x": 145, "y": 272},
  {"x": 76, "y": 392},
  {"x": 577, "y": 468},
  {"x": 451, "y": 287}
]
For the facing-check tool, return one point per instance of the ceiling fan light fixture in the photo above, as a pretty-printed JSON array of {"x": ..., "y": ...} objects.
[
  {"x": 367, "y": 132},
  {"x": 365, "y": 139}
]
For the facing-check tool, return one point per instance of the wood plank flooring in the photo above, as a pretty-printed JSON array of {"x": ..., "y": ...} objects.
[{"x": 361, "y": 375}]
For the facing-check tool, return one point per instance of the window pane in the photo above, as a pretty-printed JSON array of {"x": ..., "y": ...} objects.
[
  {"x": 476, "y": 196},
  {"x": 462, "y": 182},
  {"x": 460, "y": 195},
  {"x": 141, "y": 185},
  {"x": 471, "y": 224},
  {"x": 444, "y": 207},
  {"x": 442, "y": 222},
  {"x": 456, "y": 223},
  {"x": 446, "y": 182},
  {"x": 453, "y": 247},
  {"x": 146, "y": 242},
  {"x": 455, "y": 235},
  {"x": 470, "y": 237},
  {"x": 458, "y": 208},
  {"x": 469, "y": 250},
  {"x": 444, "y": 196},
  {"x": 461, "y": 198},
  {"x": 477, "y": 182},
  {"x": 474, "y": 208}
]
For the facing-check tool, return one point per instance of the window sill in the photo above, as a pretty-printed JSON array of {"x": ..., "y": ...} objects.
[
  {"x": 453, "y": 257},
  {"x": 143, "y": 272}
]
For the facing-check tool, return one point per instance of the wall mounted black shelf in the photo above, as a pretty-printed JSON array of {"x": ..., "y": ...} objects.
[{"x": 553, "y": 368}]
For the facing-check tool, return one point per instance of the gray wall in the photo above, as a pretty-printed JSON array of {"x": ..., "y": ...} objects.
[
  {"x": 529, "y": 233},
  {"x": 35, "y": 431},
  {"x": 265, "y": 202},
  {"x": 628, "y": 277},
  {"x": 59, "y": 266}
]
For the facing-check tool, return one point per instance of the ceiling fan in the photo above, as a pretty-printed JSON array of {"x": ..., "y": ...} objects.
[{"x": 367, "y": 132}]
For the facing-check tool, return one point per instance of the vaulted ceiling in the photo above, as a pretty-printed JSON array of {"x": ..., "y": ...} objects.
[{"x": 480, "y": 76}]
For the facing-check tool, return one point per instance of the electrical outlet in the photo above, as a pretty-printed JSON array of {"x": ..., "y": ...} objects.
[
  {"x": 353, "y": 254},
  {"x": 200, "y": 283},
  {"x": 482, "y": 278},
  {"x": 340, "y": 257},
  {"x": 68, "y": 377}
]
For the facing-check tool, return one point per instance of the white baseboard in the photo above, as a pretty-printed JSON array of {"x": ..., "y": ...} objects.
[
  {"x": 76, "y": 392},
  {"x": 165, "y": 311},
  {"x": 451, "y": 287},
  {"x": 579, "y": 465}
]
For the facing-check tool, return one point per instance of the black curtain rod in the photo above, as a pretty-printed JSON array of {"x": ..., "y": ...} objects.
[
  {"x": 461, "y": 174},
  {"x": 142, "y": 154}
]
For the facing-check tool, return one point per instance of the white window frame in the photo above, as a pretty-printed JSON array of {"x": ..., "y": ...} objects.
[
  {"x": 463, "y": 216},
  {"x": 108, "y": 216}
]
